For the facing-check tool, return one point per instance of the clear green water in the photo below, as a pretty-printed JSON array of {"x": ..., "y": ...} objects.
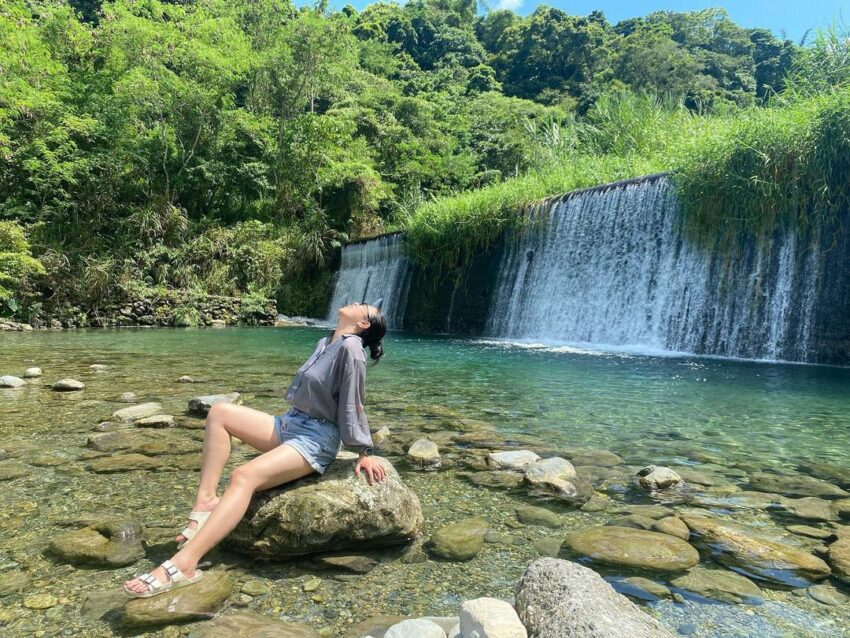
[{"x": 746, "y": 416}]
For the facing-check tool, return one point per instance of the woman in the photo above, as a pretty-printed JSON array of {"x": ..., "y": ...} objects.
[{"x": 327, "y": 410}]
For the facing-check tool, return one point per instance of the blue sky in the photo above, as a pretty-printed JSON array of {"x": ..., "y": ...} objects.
[{"x": 793, "y": 17}]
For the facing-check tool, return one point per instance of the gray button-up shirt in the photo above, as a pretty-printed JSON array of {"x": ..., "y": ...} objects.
[{"x": 332, "y": 385}]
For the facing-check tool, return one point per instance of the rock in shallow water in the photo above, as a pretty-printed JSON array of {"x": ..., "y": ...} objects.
[
  {"x": 249, "y": 624},
  {"x": 758, "y": 559},
  {"x": 839, "y": 558},
  {"x": 68, "y": 385},
  {"x": 634, "y": 548},
  {"x": 516, "y": 460},
  {"x": 655, "y": 477},
  {"x": 124, "y": 463},
  {"x": 9, "y": 381},
  {"x": 105, "y": 544},
  {"x": 425, "y": 454},
  {"x": 192, "y": 602},
  {"x": 32, "y": 373},
  {"x": 557, "y": 598},
  {"x": 415, "y": 628},
  {"x": 795, "y": 485},
  {"x": 136, "y": 412},
  {"x": 330, "y": 512},
  {"x": 459, "y": 541},
  {"x": 721, "y": 585}
]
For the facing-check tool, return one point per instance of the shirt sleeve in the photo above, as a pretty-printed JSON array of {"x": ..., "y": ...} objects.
[{"x": 351, "y": 418}]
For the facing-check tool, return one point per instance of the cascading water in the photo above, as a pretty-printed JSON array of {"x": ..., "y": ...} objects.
[
  {"x": 613, "y": 267},
  {"x": 372, "y": 270}
]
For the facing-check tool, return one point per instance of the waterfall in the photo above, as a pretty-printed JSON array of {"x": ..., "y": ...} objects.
[
  {"x": 613, "y": 267},
  {"x": 371, "y": 270}
]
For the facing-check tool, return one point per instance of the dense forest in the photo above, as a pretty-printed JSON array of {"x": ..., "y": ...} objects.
[{"x": 229, "y": 147}]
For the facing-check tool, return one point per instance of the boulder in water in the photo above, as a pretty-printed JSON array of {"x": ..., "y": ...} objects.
[
  {"x": 198, "y": 601},
  {"x": 9, "y": 381},
  {"x": 68, "y": 385},
  {"x": 328, "y": 512},
  {"x": 631, "y": 548},
  {"x": 249, "y": 624},
  {"x": 459, "y": 541},
  {"x": 795, "y": 485},
  {"x": 557, "y": 598},
  {"x": 490, "y": 617},
  {"x": 655, "y": 477},
  {"x": 720, "y": 585},
  {"x": 839, "y": 558},
  {"x": 136, "y": 412},
  {"x": 512, "y": 459},
  {"x": 109, "y": 543},
  {"x": 32, "y": 373},
  {"x": 425, "y": 454}
]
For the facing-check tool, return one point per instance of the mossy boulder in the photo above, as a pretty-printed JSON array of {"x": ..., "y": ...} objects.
[{"x": 330, "y": 512}]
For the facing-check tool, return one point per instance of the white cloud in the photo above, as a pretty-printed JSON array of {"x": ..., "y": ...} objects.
[{"x": 513, "y": 5}]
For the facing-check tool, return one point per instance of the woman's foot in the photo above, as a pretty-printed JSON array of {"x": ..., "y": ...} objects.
[
  {"x": 138, "y": 585},
  {"x": 200, "y": 506}
]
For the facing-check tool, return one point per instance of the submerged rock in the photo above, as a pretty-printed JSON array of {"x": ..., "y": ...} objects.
[
  {"x": 547, "y": 471},
  {"x": 828, "y": 595},
  {"x": 531, "y": 515},
  {"x": 128, "y": 397},
  {"x": 249, "y": 624},
  {"x": 124, "y": 463},
  {"x": 68, "y": 385},
  {"x": 839, "y": 558},
  {"x": 12, "y": 582},
  {"x": 201, "y": 405},
  {"x": 192, "y": 602},
  {"x": 655, "y": 477},
  {"x": 633, "y": 548},
  {"x": 766, "y": 560},
  {"x": 113, "y": 543},
  {"x": 333, "y": 511},
  {"x": 11, "y": 471},
  {"x": 643, "y": 588},
  {"x": 796, "y": 485},
  {"x": 496, "y": 479},
  {"x": 98, "y": 367},
  {"x": 810, "y": 508},
  {"x": 557, "y": 598},
  {"x": 599, "y": 458},
  {"x": 459, "y": 541},
  {"x": 721, "y": 585},
  {"x": 136, "y": 412},
  {"x": 673, "y": 526},
  {"x": 9, "y": 381}
]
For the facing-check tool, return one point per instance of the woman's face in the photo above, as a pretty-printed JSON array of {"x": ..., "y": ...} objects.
[{"x": 354, "y": 312}]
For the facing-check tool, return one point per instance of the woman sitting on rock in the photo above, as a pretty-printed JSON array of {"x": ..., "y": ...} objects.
[{"x": 327, "y": 410}]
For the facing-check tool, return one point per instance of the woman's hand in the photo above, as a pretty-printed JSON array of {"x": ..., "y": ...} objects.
[{"x": 372, "y": 467}]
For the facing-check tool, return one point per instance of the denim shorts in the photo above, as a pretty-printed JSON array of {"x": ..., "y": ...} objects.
[{"x": 317, "y": 440}]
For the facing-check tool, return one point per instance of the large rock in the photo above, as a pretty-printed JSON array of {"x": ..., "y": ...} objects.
[
  {"x": 557, "y": 598},
  {"x": 839, "y": 558},
  {"x": 110, "y": 543},
  {"x": 425, "y": 454},
  {"x": 721, "y": 585},
  {"x": 334, "y": 511},
  {"x": 758, "y": 559},
  {"x": 136, "y": 412},
  {"x": 512, "y": 459},
  {"x": 32, "y": 373},
  {"x": 795, "y": 485},
  {"x": 202, "y": 405},
  {"x": 490, "y": 618},
  {"x": 68, "y": 385},
  {"x": 156, "y": 421},
  {"x": 531, "y": 515},
  {"x": 657, "y": 477},
  {"x": 545, "y": 471},
  {"x": 810, "y": 508},
  {"x": 459, "y": 541},
  {"x": 192, "y": 602},
  {"x": 632, "y": 548},
  {"x": 9, "y": 381}
]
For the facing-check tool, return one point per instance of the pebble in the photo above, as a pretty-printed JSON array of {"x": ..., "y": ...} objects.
[
  {"x": 255, "y": 588},
  {"x": 311, "y": 584}
]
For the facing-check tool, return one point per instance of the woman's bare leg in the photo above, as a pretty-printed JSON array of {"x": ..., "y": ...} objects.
[
  {"x": 280, "y": 465},
  {"x": 223, "y": 421}
]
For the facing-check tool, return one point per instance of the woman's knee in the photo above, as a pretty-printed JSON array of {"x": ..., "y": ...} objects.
[
  {"x": 218, "y": 412},
  {"x": 244, "y": 477}
]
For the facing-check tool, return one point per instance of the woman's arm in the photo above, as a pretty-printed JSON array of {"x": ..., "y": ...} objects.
[{"x": 351, "y": 417}]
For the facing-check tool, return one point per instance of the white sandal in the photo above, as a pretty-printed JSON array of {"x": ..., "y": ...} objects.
[
  {"x": 200, "y": 518},
  {"x": 176, "y": 579}
]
